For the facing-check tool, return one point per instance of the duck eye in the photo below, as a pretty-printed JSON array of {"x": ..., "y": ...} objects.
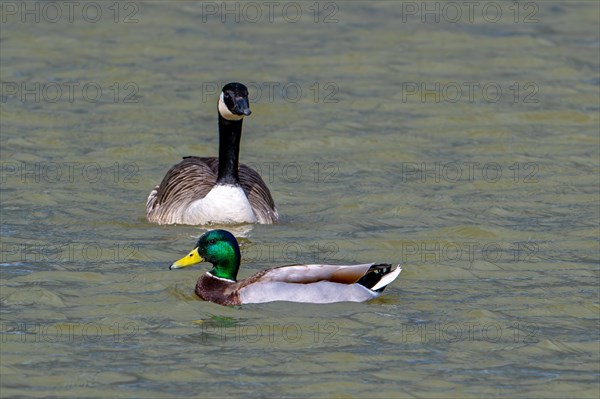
[{"x": 213, "y": 241}]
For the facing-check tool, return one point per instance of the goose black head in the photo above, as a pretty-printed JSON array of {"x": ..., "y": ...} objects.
[{"x": 233, "y": 103}]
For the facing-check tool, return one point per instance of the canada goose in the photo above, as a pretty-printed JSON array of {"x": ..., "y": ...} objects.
[
  {"x": 294, "y": 283},
  {"x": 214, "y": 190}
]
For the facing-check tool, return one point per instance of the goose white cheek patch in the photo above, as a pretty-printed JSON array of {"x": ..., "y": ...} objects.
[{"x": 225, "y": 112}]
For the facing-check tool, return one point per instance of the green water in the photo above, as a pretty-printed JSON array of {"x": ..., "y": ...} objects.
[{"x": 466, "y": 149}]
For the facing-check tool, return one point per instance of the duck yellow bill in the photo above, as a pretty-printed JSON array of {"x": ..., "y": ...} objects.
[{"x": 190, "y": 259}]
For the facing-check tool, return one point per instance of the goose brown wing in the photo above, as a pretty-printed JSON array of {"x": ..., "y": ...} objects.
[
  {"x": 255, "y": 188},
  {"x": 258, "y": 194},
  {"x": 188, "y": 181}
]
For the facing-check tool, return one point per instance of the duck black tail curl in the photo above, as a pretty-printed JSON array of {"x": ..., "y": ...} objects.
[{"x": 379, "y": 276}]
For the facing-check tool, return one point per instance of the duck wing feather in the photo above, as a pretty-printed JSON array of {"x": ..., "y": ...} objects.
[
  {"x": 317, "y": 283},
  {"x": 306, "y": 274}
]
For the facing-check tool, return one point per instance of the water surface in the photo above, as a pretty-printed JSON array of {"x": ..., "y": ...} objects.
[{"x": 489, "y": 198}]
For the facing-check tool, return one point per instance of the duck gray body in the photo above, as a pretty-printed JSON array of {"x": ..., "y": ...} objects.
[{"x": 301, "y": 283}]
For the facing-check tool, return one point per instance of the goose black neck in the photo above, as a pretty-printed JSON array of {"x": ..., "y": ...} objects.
[{"x": 230, "y": 134}]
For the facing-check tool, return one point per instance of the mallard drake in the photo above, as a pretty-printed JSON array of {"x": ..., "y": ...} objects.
[
  {"x": 201, "y": 191},
  {"x": 294, "y": 283}
]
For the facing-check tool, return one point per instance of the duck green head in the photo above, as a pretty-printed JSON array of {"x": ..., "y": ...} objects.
[{"x": 218, "y": 247}]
